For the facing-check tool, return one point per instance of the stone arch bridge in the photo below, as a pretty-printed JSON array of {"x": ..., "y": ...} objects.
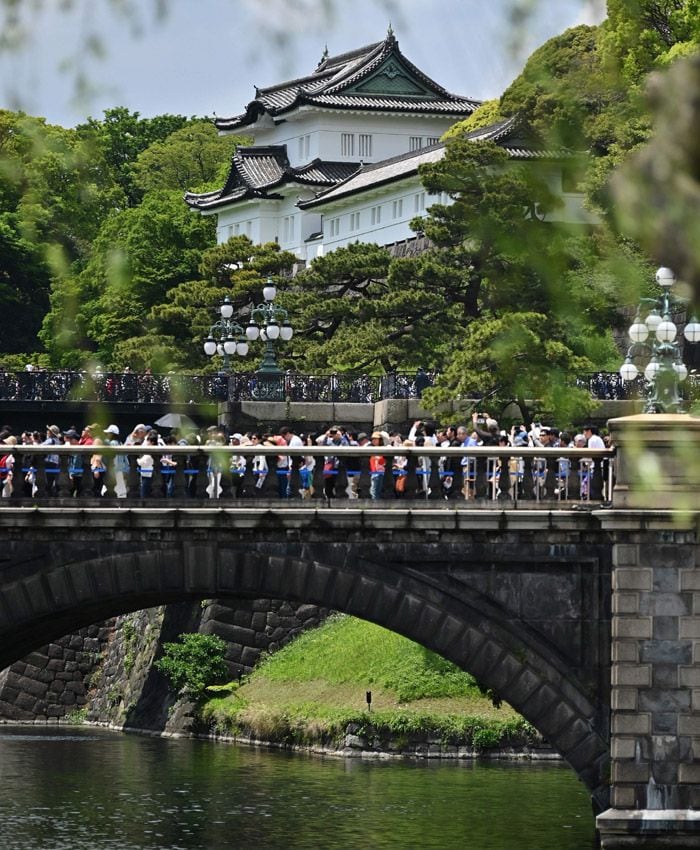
[{"x": 520, "y": 599}]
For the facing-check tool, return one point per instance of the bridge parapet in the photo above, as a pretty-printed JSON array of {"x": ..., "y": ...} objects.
[
  {"x": 475, "y": 474},
  {"x": 655, "y": 674}
]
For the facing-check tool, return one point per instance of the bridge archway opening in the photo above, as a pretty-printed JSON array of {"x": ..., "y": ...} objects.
[{"x": 465, "y": 628}]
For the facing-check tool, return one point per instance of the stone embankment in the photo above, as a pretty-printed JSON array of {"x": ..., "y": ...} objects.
[{"x": 105, "y": 673}]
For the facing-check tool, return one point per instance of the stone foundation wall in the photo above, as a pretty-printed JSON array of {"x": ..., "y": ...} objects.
[
  {"x": 655, "y": 743},
  {"x": 55, "y": 680},
  {"x": 254, "y": 626}
]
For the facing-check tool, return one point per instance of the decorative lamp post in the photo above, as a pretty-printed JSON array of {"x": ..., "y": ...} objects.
[
  {"x": 269, "y": 322},
  {"x": 655, "y": 336},
  {"x": 226, "y": 337}
]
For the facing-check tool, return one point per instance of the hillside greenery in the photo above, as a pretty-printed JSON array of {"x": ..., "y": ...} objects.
[{"x": 311, "y": 690}]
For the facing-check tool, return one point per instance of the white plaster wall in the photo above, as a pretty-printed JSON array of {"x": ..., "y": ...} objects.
[
  {"x": 390, "y": 134},
  {"x": 390, "y": 228}
]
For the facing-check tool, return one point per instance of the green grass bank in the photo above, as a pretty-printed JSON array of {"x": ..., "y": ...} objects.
[{"x": 312, "y": 693}]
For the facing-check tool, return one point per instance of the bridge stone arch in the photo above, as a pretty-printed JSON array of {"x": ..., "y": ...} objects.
[{"x": 48, "y": 593}]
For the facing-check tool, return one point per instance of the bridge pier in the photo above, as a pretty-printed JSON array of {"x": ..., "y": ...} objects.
[{"x": 655, "y": 674}]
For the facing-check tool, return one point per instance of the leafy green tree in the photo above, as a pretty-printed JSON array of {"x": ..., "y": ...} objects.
[
  {"x": 194, "y": 157},
  {"x": 488, "y": 113},
  {"x": 193, "y": 663},
  {"x": 139, "y": 254},
  {"x": 24, "y": 287},
  {"x": 530, "y": 320},
  {"x": 122, "y": 135},
  {"x": 564, "y": 93},
  {"x": 56, "y": 182},
  {"x": 640, "y": 35}
]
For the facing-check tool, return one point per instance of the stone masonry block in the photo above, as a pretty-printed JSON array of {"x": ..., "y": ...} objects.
[
  {"x": 625, "y": 555},
  {"x": 631, "y": 724},
  {"x": 625, "y": 603},
  {"x": 625, "y": 650},
  {"x": 690, "y": 627},
  {"x": 623, "y": 797},
  {"x": 690, "y": 677},
  {"x": 666, "y": 604},
  {"x": 689, "y": 773},
  {"x": 623, "y": 748},
  {"x": 631, "y": 674},
  {"x": 690, "y": 579},
  {"x": 696, "y": 603},
  {"x": 664, "y": 723},
  {"x": 689, "y": 724},
  {"x": 630, "y": 771},
  {"x": 666, "y": 580},
  {"x": 629, "y": 578},
  {"x": 660, "y": 700},
  {"x": 632, "y": 627},
  {"x": 666, "y": 555},
  {"x": 665, "y": 651},
  {"x": 664, "y": 676},
  {"x": 624, "y": 699},
  {"x": 666, "y": 628}
]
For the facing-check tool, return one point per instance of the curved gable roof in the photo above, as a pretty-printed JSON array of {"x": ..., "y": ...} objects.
[
  {"x": 377, "y": 77},
  {"x": 255, "y": 171}
]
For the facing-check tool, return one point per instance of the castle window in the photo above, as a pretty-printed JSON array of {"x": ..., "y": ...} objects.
[
  {"x": 354, "y": 221},
  {"x": 432, "y": 140},
  {"x": 376, "y": 215},
  {"x": 419, "y": 202},
  {"x": 288, "y": 228},
  {"x": 347, "y": 144},
  {"x": 397, "y": 208},
  {"x": 304, "y": 146},
  {"x": 415, "y": 143},
  {"x": 334, "y": 227},
  {"x": 365, "y": 145}
]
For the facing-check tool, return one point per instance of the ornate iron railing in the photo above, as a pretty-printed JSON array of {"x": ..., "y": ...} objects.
[{"x": 129, "y": 387}]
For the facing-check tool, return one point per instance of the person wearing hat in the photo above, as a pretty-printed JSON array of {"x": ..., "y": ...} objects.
[
  {"x": 237, "y": 466},
  {"x": 377, "y": 468},
  {"x": 52, "y": 462},
  {"x": 121, "y": 465}
]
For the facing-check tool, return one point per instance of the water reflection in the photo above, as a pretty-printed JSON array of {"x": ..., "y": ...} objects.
[{"x": 87, "y": 790}]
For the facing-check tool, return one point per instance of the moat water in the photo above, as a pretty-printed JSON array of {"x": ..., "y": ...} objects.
[{"x": 85, "y": 789}]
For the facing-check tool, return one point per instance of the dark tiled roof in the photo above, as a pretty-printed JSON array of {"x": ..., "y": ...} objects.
[
  {"x": 333, "y": 82},
  {"x": 257, "y": 170},
  {"x": 390, "y": 104},
  {"x": 379, "y": 173}
]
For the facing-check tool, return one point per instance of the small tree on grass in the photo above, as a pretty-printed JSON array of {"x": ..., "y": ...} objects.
[{"x": 194, "y": 663}]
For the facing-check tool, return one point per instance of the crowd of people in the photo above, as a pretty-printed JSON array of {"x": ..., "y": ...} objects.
[{"x": 101, "y": 473}]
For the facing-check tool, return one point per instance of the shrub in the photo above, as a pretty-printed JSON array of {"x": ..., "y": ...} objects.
[{"x": 194, "y": 663}]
